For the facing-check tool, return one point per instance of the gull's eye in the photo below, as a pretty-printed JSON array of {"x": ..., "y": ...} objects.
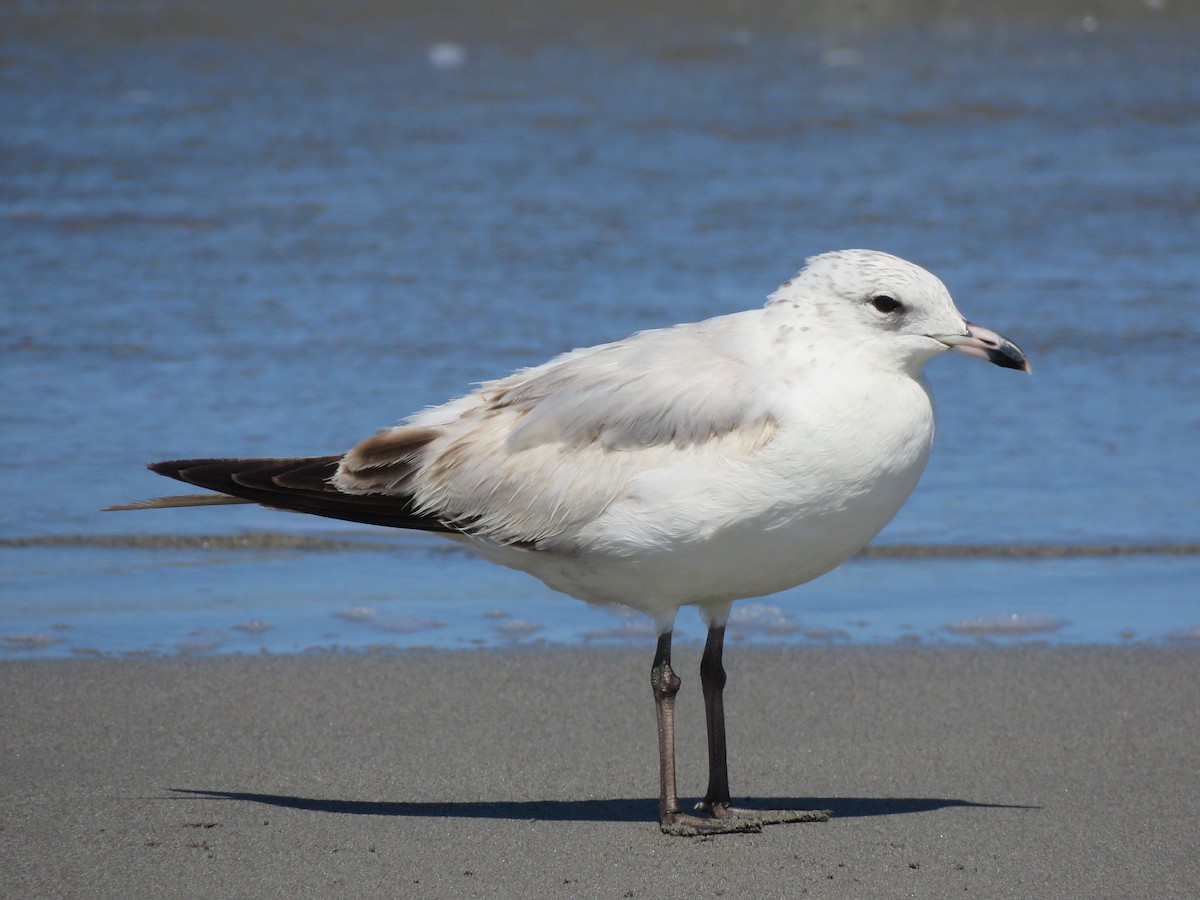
[{"x": 886, "y": 304}]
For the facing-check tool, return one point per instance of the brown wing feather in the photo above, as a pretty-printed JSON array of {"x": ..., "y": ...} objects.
[{"x": 299, "y": 484}]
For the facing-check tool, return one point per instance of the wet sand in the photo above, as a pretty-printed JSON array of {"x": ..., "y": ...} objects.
[{"x": 1018, "y": 772}]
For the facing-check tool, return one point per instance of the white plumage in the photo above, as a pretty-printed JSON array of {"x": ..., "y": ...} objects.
[{"x": 697, "y": 464}]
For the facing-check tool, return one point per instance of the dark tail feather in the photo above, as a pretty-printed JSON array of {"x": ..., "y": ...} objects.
[{"x": 298, "y": 484}]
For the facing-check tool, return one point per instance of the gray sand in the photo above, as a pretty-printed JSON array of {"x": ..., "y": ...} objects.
[{"x": 1028, "y": 772}]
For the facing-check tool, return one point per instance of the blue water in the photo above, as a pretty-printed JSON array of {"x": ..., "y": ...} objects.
[{"x": 269, "y": 229}]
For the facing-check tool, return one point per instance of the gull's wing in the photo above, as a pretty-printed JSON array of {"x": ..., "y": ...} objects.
[
  {"x": 539, "y": 454},
  {"x": 533, "y": 457}
]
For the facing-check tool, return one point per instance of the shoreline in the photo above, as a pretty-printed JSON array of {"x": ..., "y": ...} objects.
[
  {"x": 279, "y": 593},
  {"x": 1020, "y": 771}
]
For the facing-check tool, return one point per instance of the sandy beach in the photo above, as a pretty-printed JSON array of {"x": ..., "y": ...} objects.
[{"x": 1023, "y": 772}]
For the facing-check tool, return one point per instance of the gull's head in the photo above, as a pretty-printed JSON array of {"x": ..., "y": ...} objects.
[{"x": 883, "y": 307}]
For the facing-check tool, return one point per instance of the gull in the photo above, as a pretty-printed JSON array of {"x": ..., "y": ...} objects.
[{"x": 692, "y": 465}]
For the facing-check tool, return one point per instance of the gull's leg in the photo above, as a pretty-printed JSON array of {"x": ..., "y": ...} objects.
[
  {"x": 716, "y": 798},
  {"x": 671, "y": 819},
  {"x": 712, "y": 681},
  {"x": 665, "y": 684}
]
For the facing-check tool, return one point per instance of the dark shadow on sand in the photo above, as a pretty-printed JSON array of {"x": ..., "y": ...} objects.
[{"x": 617, "y": 810}]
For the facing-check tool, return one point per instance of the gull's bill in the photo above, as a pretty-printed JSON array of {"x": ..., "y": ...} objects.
[{"x": 986, "y": 344}]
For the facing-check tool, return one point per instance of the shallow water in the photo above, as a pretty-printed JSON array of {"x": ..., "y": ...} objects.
[{"x": 267, "y": 229}]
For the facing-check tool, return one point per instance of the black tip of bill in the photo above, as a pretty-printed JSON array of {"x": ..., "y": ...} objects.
[{"x": 1007, "y": 355}]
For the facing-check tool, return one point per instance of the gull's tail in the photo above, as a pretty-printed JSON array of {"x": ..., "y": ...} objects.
[{"x": 298, "y": 484}]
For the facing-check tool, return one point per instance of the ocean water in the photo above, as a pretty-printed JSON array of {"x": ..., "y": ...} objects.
[{"x": 271, "y": 228}]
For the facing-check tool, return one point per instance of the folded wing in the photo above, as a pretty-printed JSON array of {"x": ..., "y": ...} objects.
[
  {"x": 536, "y": 456},
  {"x": 530, "y": 458}
]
